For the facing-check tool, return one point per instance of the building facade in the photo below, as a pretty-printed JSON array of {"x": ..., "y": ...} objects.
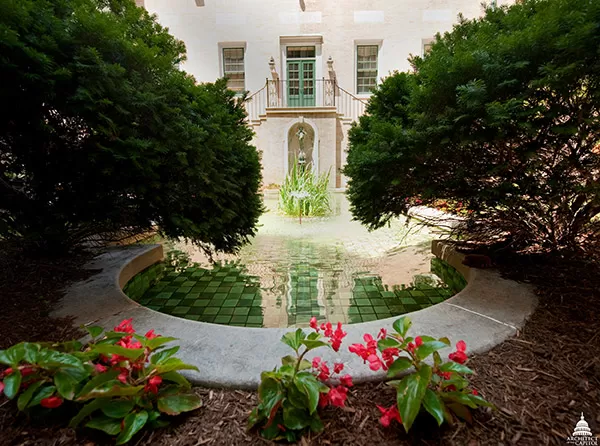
[{"x": 308, "y": 65}]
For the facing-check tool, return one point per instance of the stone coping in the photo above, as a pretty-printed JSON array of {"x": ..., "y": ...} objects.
[{"x": 489, "y": 310}]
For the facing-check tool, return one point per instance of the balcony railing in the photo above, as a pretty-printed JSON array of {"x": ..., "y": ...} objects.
[{"x": 307, "y": 93}]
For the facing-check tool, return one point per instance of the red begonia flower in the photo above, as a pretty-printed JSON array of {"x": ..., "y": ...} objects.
[
  {"x": 388, "y": 355},
  {"x": 315, "y": 362},
  {"x": 123, "y": 377},
  {"x": 1, "y": 387},
  {"x": 323, "y": 399},
  {"x": 346, "y": 380},
  {"x": 375, "y": 363},
  {"x": 359, "y": 350},
  {"x": 338, "y": 367},
  {"x": 100, "y": 368},
  {"x": 8, "y": 371},
  {"x": 336, "y": 337},
  {"x": 313, "y": 324},
  {"x": 125, "y": 327},
  {"x": 389, "y": 415},
  {"x": 461, "y": 346},
  {"x": 51, "y": 402},
  {"x": 150, "y": 334},
  {"x": 27, "y": 370},
  {"x": 152, "y": 384},
  {"x": 450, "y": 388},
  {"x": 445, "y": 375},
  {"x": 475, "y": 392},
  {"x": 418, "y": 341},
  {"x": 337, "y": 396},
  {"x": 382, "y": 334},
  {"x": 410, "y": 347},
  {"x": 327, "y": 329},
  {"x": 458, "y": 356},
  {"x": 323, "y": 372}
]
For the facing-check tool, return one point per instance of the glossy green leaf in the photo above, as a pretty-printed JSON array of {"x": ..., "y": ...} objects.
[
  {"x": 175, "y": 404},
  {"x": 311, "y": 345},
  {"x": 31, "y": 352},
  {"x": 313, "y": 336},
  {"x": 105, "y": 424},
  {"x": 459, "y": 397},
  {"x": 434, "y": 406},
  {"x": 94, "y": 330},
  {"x": 26, "y": 396},
  {"x": 410, "y": 395},
  {"x": 12, "y": 383},
  {"x": 289, "y": 360},
  {"x": 109, "y": 389},
  {"x": 13, "y": 355},
  {"x": 311, "y": 388},
  {"x": 133, "y": 423},
  {"x": 173, "y": 364},
  {"x": 270, "y": 395},
  {"x": 97, "y": 380},
  {"x": 161, "y": 356},
  {"x": 437, "y": 359},
  {"x": 43, "y": 392},
  {"x": 455, "y": 367},
  {"x": 399, "y": 365},
  {"x": 445, "y": 341},
  {"x": 461, "y": 411},
  {"x": 129, "y": 353},
  {"x": 297, "y": 396},
  {"x": 427, "y": 348},
  {"x": 87, "y": 410},
  {"x": 479, "y": 401},
  {"x": 118, "y": 408},
  {"x": 293, "y": 338},
  {"x": 153, "y": 344},
  {"x": 384, "y": 343},
  {"x": 295, "y": 418},
  {"x": 51, "y": 359},
  {"x": 176, "y": 378},
  {"x": 402, "y": 325},
  {"x": 65, "y": 384}
]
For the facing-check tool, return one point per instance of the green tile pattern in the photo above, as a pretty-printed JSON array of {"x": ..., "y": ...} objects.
[{"x": 225, "y": 294}]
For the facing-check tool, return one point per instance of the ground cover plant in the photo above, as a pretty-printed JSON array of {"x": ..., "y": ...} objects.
[
  {"x": 290, "y": 396},
  {"x": 106, "y": 135},
  {"x": 502, "y": 115},
  {"x": 118, "y": 382},
  {"x": 305, "y": 192},
  {"x": 440, "y": 389}
]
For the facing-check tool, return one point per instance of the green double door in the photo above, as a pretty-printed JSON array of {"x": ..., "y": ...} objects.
[{"x": 301, "y": 83}]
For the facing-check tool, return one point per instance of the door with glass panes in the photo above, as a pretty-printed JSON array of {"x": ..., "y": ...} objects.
[{"x": 300, "y": 77}]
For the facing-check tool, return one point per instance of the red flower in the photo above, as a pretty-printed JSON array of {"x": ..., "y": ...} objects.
[
  {"x": 1, "y": 387},
  {"x": 336, "y": 337},
  {"x": 123, "y": 377},
  {"x": 337, "y": 396},
  {"x": 327, "y": 329},
  {"x": 323, "y": 399},
  {"x": 152, "y": 384},
  {"x": 382, "y": 334},
  {"x": 315, "y": 362},
  {"x": 375, "y": 363},
  {"x": 418, "y": 341},
  {"x": 338, "y": 367},
  {"x": 127, "y": 342},
  {"x": 410, "y": 347},
  {"x": 8, "y": 371},
  {"x": 100, "y": 368},
  {"x": 27, "y": 370},
  {"x": 125, "y": 327},
  {"x": 475, "y": 392},
  {"x": 450, "y": 388},
  {"x": 313, "y": 324},
  {"x": 51, "y": 402},
  {"x": 459, "y": 355},
  {"x": 323, "y": 372},
  {"x": 346, "y": 380},
  {"x": 388, "y": 355},
  {"x": 151, "y": 335},
  {"x": 359, "y": 350},
  {"x": 389, "y": 415},
  {"x": 445, "y": 375}
]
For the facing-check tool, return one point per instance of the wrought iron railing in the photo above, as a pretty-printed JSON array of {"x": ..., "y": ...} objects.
[{"x": 298, "y": 93}]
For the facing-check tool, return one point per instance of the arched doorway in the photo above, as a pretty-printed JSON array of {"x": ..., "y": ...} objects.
[{"x": 301, "y": 139}]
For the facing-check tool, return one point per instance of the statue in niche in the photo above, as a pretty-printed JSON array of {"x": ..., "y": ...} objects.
[{"x": 301, "y": 134}]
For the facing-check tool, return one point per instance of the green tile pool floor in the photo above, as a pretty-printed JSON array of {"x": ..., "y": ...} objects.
[{"x": 226, "y": 295}]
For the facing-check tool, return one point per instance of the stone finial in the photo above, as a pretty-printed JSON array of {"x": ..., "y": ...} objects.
[{"x": 330, "y": 63}]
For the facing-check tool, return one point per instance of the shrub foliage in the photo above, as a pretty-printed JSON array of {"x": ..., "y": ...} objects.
[
  {"x": 102, "y": 132},
  {"x": 503, "y": 116}
]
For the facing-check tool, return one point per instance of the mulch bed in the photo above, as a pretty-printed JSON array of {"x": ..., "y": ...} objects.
[{"x": 540, "y": 380}]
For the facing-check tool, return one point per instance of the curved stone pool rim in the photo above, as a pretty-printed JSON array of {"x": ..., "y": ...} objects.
[{"x": 489, "y": 310}]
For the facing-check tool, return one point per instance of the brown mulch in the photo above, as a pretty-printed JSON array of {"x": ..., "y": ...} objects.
[{"x": 540, "y": 380}]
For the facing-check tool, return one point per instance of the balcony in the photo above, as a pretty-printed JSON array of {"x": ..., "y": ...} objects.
[{"x": 297, "y": 95}]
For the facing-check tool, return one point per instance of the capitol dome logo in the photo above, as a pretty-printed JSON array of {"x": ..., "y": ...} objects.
[{"x": 582, "y": 435}]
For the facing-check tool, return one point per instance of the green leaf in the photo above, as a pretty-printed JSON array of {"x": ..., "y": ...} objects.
[
  {"x": 176, "y": 378},
  {"x": 437, "y": 359},
  {"x": 11, "y": 384},
  {"x": 311, "y": 388},
  {"x": 52, "y": 359},
  {"x": 153, "y": 344},
  {"x": 295, "y": 418},
  {"x": 400, "y": 364},
  {"x": 117, "y": 408},
  {"x": 97, "y": 380},
  {"x": 31, "y": 352},
  {"x": 384, "y": 343},
  {"x": 427, "y": 348},
  {"x": 316, "y": 425},
  {"x": 105, "y": 424},
  {"x": 455, "y": 367},
  {"x": 172, "y": 364},
  {"x": 270, "y": 395},
  {"x": 94, "y": 331},
  {"x": 402, "y": 325},
  {"x": 479, "y": 401},
  {"x": 26, "y": 396},
  {"x": 162, "y": 355},
  {"x": 313, "y": 336},
  {"x": 129, "y": 353},
  {"x": 411, "y": 393},
  {"x": 460, "y": 398},
  {"x": 445, "y": 341},
  {"x": 13, "y": 355},
  {"x": 87, "y": 410},
  {"x": 434, "y": 406},
  {"x": 461, "y": 411},
  {"x": 311, "y": 345},
  {"x": 289, "y": 360},
  {"x": 293, "y": 338},
  {"x": 296, "y": 395},
  {"x": 132, "y": 425},
  {"x": 67, "y": 380},
  {"x": 44, "y": 392},
  {"x": 175, "y": 404},
  {"x": 111, "y": 388}
]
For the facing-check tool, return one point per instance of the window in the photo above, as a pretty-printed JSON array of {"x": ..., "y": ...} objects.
[
  {"x": 366, "y": 68},
  {"x": 300, "y": 52},
  {"x": 233, "y": 68},
  {"x": 427, "y": 44}
]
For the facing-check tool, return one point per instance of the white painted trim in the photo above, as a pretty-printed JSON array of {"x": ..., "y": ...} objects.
[{"x": 315, "y": 154}]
